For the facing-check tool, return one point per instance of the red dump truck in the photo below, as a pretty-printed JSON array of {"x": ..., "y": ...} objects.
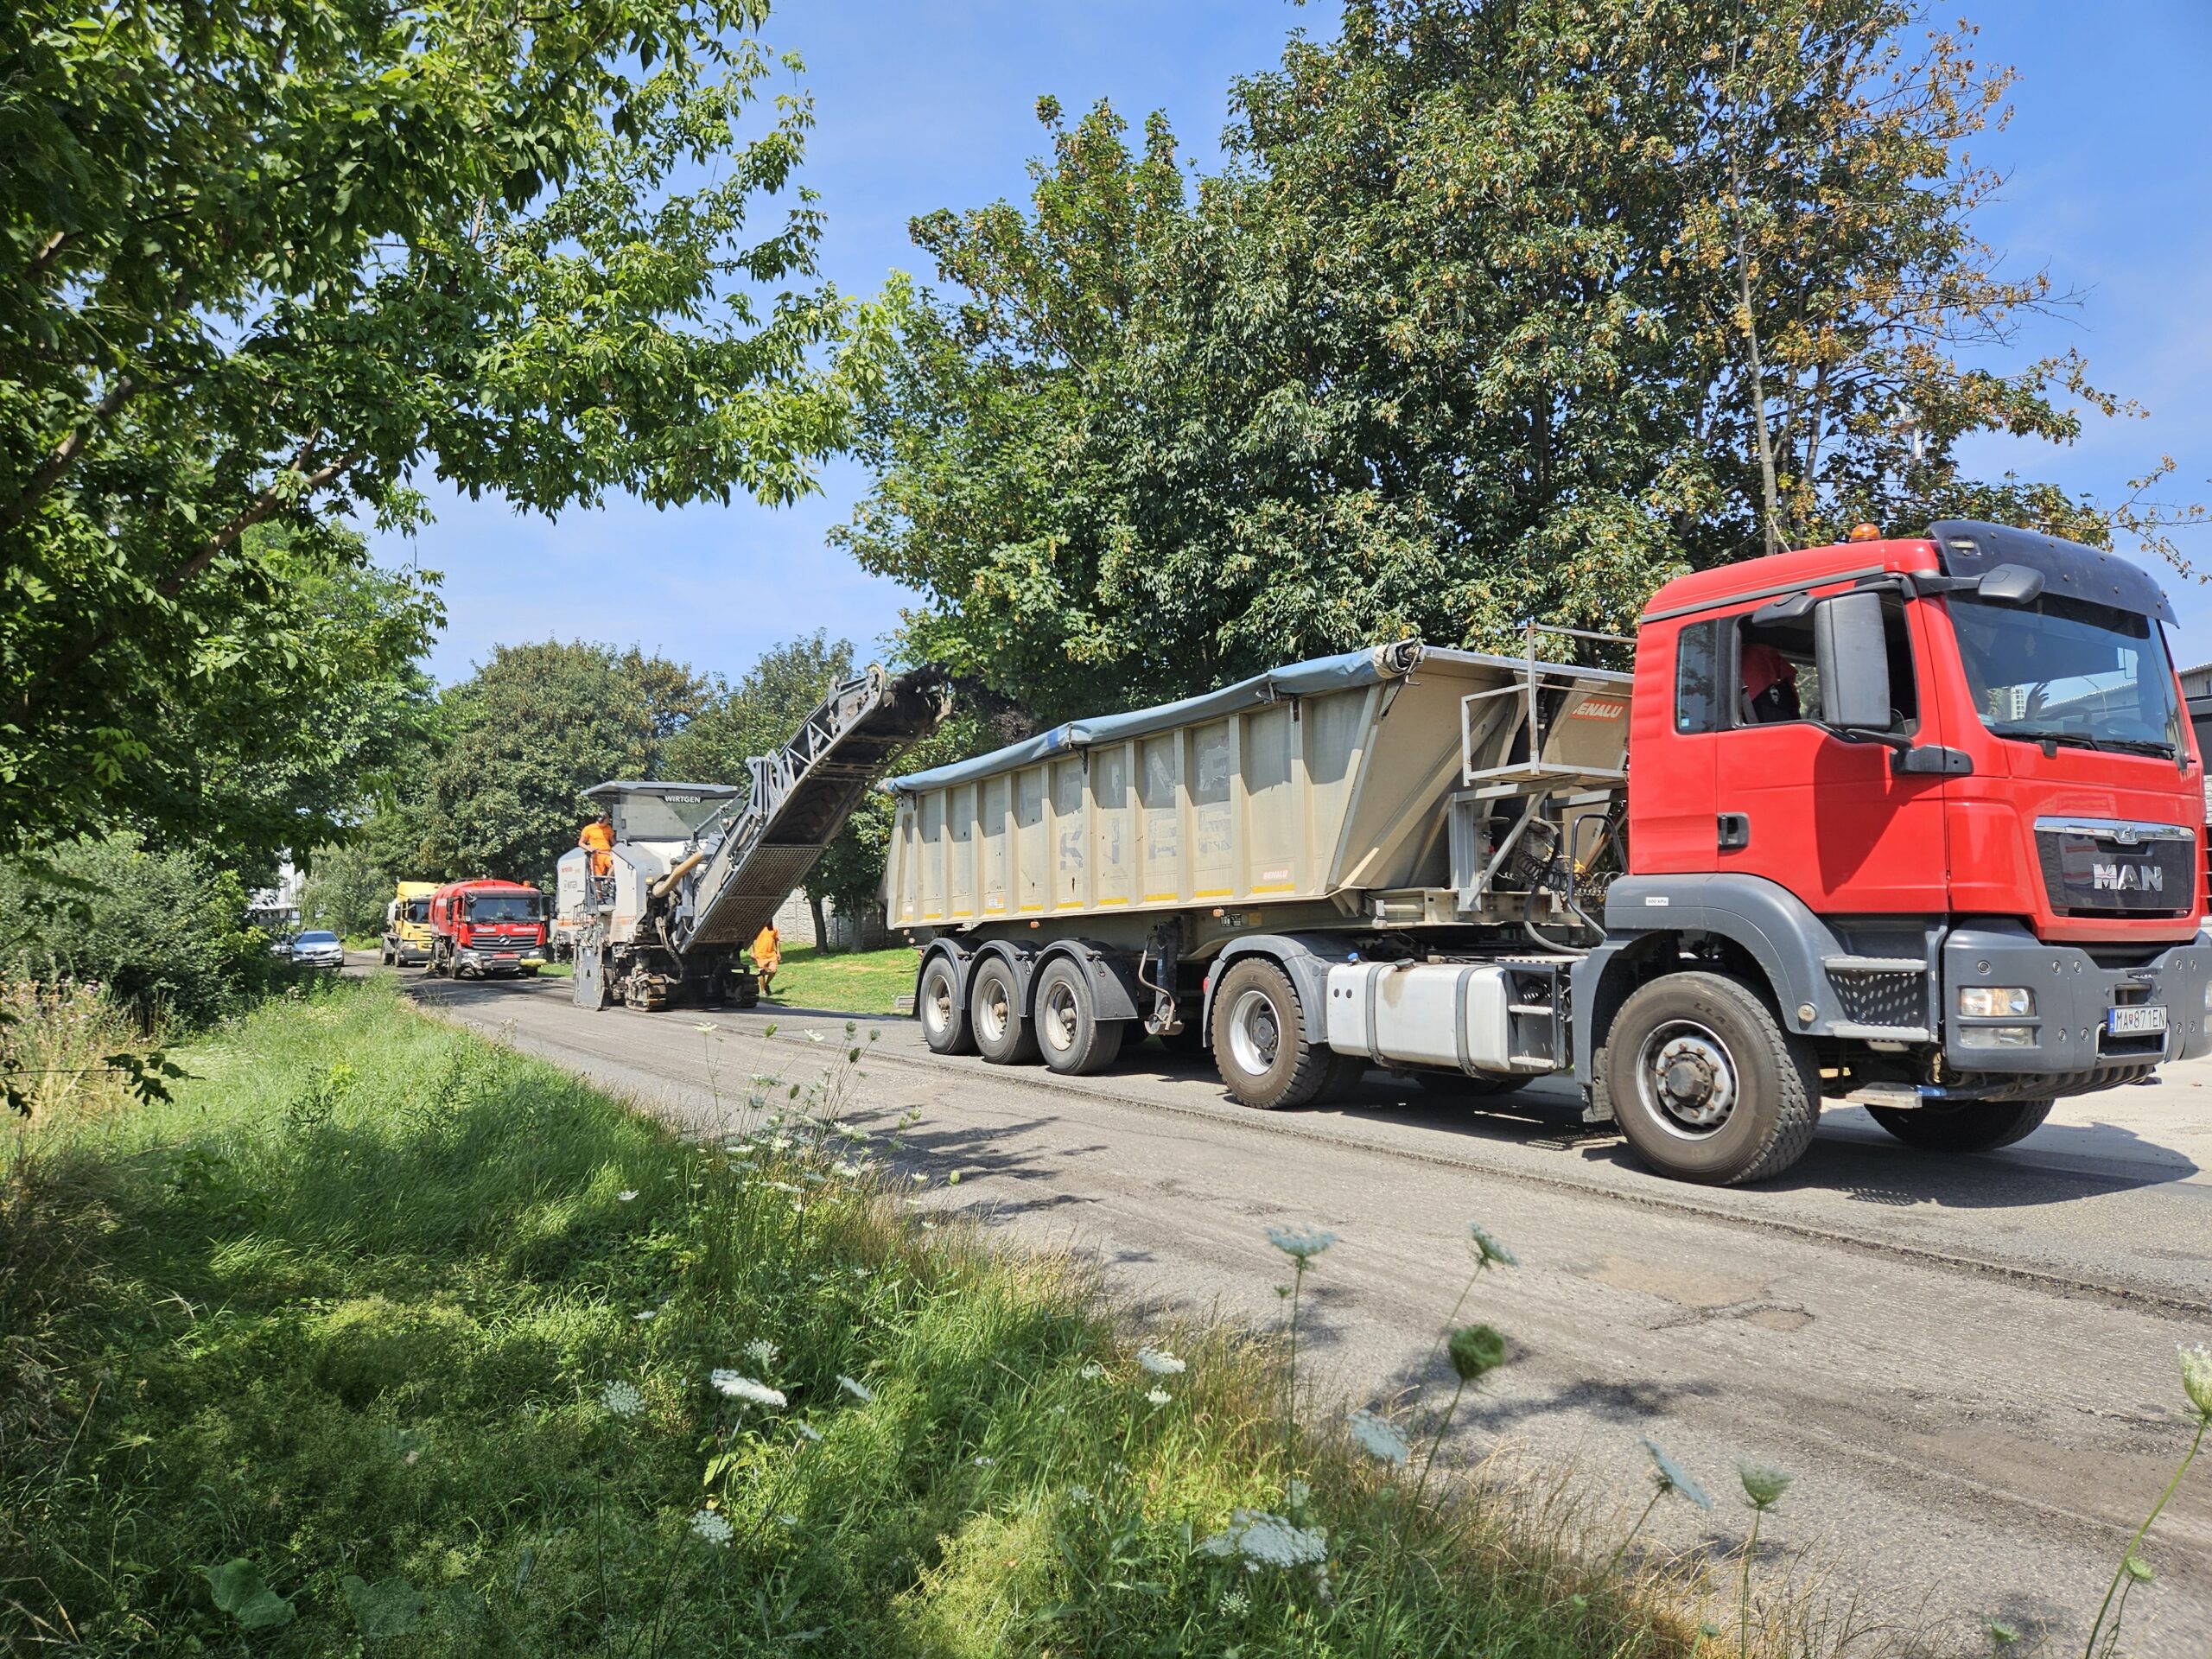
[
  {"x": 485, "y": 930},
  {"x": 1912, "y": 823}
]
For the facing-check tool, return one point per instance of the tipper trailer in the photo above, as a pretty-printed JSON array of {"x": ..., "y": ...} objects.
[{"x": 1913, "y": 822}]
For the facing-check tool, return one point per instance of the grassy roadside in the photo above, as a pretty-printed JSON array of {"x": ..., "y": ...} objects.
[
  {"x": 856, "y": 981},
  {"x": 383, "y": 1333}
]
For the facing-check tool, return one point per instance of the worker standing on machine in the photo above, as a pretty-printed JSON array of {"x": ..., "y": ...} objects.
[
  {"x": 598, "y": 838},
  {"x": 767, "y": 956}
]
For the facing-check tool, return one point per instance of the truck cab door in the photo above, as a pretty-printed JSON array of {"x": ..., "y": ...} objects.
[{"x": 1827, "y": 816}]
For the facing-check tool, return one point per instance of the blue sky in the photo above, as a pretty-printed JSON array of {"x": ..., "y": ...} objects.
[{"x": 928, "y": 104}]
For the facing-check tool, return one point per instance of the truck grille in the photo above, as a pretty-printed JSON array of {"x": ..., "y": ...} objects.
[{"x": 2091, "y": 869}]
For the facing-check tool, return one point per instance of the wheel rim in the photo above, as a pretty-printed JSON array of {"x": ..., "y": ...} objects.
[
  {"x": 1059, "y": 1019},
  {"x": 937, "y": 1002},
  {"x": 1255, "y": 1032},
  {"x": 1688, "y": 1080},
  {"x": 994, "y": 1009}
]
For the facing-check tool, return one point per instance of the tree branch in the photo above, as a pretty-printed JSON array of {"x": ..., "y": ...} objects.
[{"x": 65, "y": 454}]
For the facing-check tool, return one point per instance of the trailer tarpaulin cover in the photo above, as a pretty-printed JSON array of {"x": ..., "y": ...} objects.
[{"x": 1353, "y": 668}]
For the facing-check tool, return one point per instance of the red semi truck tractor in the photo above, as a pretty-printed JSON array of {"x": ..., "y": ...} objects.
[
  {"x": 487, "y": 928},
  {"x": 1915, "y": 823}
]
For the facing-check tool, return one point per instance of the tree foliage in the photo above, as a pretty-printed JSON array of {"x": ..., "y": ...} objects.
[
  {"x": 262, "y": 262},
  {"x": 1495, "y": 310},
  {"x": 526, "y": 734}
]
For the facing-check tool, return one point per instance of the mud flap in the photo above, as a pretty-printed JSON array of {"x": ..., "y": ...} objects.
[{"x": 590, "y": 984}]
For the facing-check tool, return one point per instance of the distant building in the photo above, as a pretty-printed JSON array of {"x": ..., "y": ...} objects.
[{"x": 278, "y": 908}]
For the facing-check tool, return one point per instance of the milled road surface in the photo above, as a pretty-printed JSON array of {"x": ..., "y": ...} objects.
[{"x": 1967, "y": 1362}]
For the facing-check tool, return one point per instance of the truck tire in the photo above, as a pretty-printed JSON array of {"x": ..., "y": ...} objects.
[
  {"x": 943, "y": 1010},
  {"x": 1260, "y": 1046},
  {"x": 1002, "y": 1036},
  {"x": 1970, "y": 1126},
  {"x": 1706, "y": 1084},
  {"x": 1070, "y": 1034}
]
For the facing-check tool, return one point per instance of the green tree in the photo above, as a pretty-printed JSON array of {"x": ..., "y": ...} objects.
[
  {"x": 1497, "y": 310},
  {"x": 263, "y": 262},
  {"x": 527, "y": 732},
  {"x": 163, "y": 931}
]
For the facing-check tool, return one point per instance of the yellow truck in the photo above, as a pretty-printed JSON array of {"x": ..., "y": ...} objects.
[{"x": 407, "y": 925}]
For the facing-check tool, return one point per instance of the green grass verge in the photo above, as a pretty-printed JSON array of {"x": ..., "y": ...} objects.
[
  {"x": 857, "y": 982},
  {"x": 381, "y": 1334}
]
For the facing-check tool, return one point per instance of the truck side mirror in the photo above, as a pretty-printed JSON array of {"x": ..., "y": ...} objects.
[
  {"x": 1853, "y": 660},
  {"x": 2011, "y": 584}
]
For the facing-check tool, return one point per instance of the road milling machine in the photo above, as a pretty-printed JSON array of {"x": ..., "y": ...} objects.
[{"x": 697, "y": 869}]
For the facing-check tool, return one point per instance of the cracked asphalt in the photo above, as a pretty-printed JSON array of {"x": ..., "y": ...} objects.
[{"x": 1968, "y": 1362}]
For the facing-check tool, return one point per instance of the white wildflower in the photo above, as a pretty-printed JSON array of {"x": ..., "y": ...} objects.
[
  {"x": 1488, "y": 1251},
  {"x": 1235, "y": 1603},
  {"x": 707, "y": 1025},
  {"x": 2197, "y": 1378},
  {"x": 1298, "y": 1494},
  {"x": 745, "y": 1388},
  {"x": 982, "y": 1462},
  {"x": 1158, "y": 1396},
  {"x": 1302, "y": 1244},
  {"x": 1160, "y": 1361},
  {"x": 1080, "y": 1495},
  {"x": 1265, "y": 1540},
  {"x": 1379, "y": 1437},
  {"x": 813, "y": 1036},
  {"x": 714, "y": 1528},
  {"x": 1763, "y": 1484},
  {"x": 622, "y": 1399},
  {"x": 1092, "y": 1371},
  {"x": 860, "y": 1391},
  {"x": 809, "y": 1433},
  {"x": 1672, "y": 1477},
  {"x": 763, "y": 1353},
  {"x": 649, "y": 1313},
  {"x": 627, "y": 1194}
]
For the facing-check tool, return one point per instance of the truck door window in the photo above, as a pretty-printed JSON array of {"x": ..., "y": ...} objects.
[
  {"x": 1697, "y": 659},
  {"x": 1776, "y": 682}
]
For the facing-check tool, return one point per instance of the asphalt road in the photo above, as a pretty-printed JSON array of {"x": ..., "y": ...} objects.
[{"x": 1967, "y": 1362}]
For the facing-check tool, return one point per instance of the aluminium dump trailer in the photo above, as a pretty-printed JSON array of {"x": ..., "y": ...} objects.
[{"x": 1110, "y": 878}]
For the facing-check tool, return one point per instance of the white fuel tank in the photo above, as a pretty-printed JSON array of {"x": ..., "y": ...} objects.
[{"x": 1455, "y": 1014}]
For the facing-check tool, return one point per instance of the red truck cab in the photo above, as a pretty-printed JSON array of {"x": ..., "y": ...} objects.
[
  {"x": 487, "y": 928},
  {"x": 1937, "y": 795}
]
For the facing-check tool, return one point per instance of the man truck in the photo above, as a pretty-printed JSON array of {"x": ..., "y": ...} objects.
[
  {"x": 1912, "y": 823},
  {"x": 487, "y": 930},
  {"x": 407, "y": 925}
]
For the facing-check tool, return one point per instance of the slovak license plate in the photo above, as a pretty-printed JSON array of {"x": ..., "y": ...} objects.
[{"x": 2135, "y": 1021}]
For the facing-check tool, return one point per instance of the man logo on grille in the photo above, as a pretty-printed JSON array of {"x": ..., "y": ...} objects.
[{"x": 2127, "y": 878}]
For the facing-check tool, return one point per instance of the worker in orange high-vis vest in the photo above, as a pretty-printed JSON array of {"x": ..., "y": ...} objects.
[
  {"x": 598, "y": 838},
  {"x": 767, "y": 956}
]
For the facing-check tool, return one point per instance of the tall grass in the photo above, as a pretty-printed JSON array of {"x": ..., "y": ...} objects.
[{"x": 382, "y": 1333}]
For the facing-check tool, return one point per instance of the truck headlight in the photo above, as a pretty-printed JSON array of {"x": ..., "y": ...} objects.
[
  {"x": 1996, "y": 1036},
  {"x": 1995, "y": 1001}
]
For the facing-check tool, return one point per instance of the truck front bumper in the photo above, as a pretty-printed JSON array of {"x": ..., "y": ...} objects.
[
  {"x": 472, "y": 960},
  {"x": 2071, "y": 1042}
]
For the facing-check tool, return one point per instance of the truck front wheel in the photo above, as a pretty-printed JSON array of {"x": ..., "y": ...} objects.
[
  {"x": 1002, "y": 1036},
  {"x": 1070, "y": 1033},
  {"x": 1706, "y": 1084},
  {"x": 1260, "y": 1045},
  {"x": 1970, "y": 1126}
]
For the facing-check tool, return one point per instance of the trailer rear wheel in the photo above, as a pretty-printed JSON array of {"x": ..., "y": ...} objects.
[
  {"x": 1970, "y": 1126},
  {"x": 1260, "y": 1045},
  {"x": 1070, "y": 1034},
  {"x": 1002, "y": 1036},
  {"x": 943, "y": 1013},
  {"x": 1706, "y": 1084}
]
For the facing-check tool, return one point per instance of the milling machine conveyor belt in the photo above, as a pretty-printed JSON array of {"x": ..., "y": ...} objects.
[{"x": 802, "y": 796}]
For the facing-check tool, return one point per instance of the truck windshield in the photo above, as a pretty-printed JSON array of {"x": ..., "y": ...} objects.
[
  {"x": 418, "y": 909},
  {"x": 504, "y": 907},
  {"x": 661, "y": 817},
  {"x": 2069, "y": 671}
]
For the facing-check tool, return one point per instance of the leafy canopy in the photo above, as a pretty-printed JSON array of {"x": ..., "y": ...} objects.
[
  {"x": 1497, "y": 310},
  {"x": 258, "y": 263}
]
